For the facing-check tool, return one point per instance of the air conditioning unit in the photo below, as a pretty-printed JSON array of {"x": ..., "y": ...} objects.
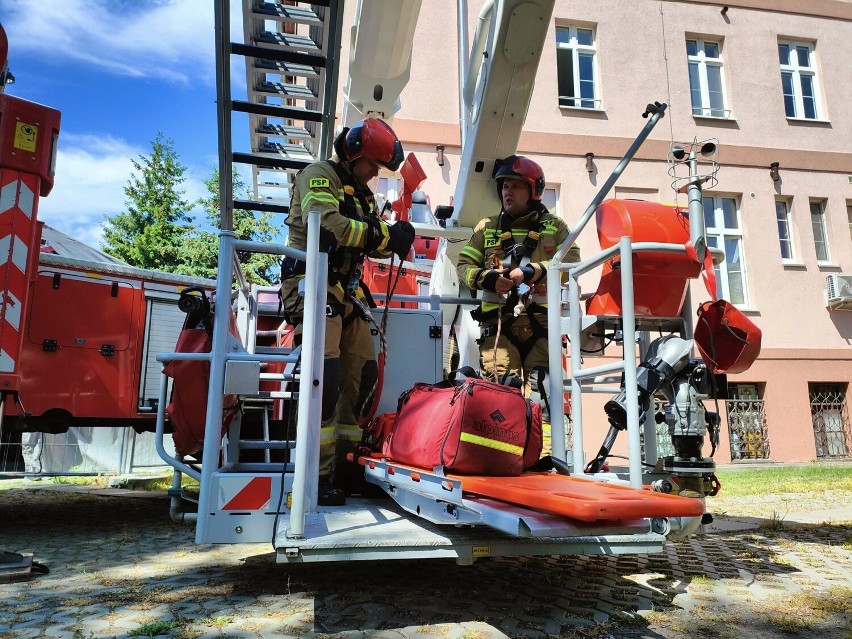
[{"x": 838, "y": 292}]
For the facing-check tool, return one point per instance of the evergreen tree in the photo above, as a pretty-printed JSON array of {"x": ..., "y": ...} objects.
[
  {"x": 200, "y": 252},
  {"x": 151, "y": 232}
]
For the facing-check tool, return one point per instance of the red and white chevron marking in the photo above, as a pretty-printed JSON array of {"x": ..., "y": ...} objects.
[{"x": 18, "y": 202}]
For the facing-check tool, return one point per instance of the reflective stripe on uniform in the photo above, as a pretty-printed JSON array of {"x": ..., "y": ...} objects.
[
  {"x": 354, "y": 235},
  {"x": 472, "y": 253},
  {"x": 350, "y": 432},
  {"x": 327, "y": 434},
  {"x": 492, "y": 443},
  {"x": 319, "y": 196}
]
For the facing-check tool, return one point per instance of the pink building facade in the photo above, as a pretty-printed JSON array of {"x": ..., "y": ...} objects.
[{"x": 769, "y": 83}]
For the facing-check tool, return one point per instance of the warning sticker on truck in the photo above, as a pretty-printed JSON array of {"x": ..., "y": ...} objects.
[{"x": 25, "y": 136}]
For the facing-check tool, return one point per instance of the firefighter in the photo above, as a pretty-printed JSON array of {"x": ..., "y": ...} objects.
[
  {"x": 506, "y": 258},
  {"x": 350, "y": 229}
]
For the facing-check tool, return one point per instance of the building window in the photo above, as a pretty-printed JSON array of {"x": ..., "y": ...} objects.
[
  {"x": 849, "y": 218},
  {"x": 550, "y": 199},
  {"x": 798, "y": 80},
  {"x": 747, "y": 427},
  {"x": 722, "y": 220},
  {"x": 785, "y": 229},
  {"x": 575, "y": 65},
  {"x": 705, "y": 78},
  {"x": 830, "y": 417},
  {"x": 820, "y": 235}
]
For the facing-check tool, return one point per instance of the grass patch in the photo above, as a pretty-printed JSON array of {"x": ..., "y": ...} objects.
[
  {"x": 154, "y": 628},
  {"x": 789, "y": 479},
  {"x": 101, "y": 481}
]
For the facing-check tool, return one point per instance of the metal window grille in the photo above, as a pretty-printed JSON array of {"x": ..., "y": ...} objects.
[
  {"x": 830, "y": 416},
  {"x": 747, "y": 429}
]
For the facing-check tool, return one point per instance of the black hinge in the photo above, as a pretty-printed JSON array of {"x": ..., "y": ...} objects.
[
  {"x": 107, "y": 350},
  {"x": 435, "y": 332},
  {"x": 49, "y": 345}
]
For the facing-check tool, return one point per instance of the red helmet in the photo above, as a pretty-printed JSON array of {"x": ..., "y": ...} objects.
[
  {"x": 517, "y": 166},
  {"x": 370, "y": 138}
]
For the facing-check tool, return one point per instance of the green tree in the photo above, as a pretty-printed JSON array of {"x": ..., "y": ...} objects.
[
  {"x": 151, "y": 232},
  {"x": 200, "y": 251}
]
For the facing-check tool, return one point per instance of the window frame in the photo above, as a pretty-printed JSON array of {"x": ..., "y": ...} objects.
[
  {"x": 573, "y": 45},
  {"x": 788, "y": 222},
  {"x": 721, "y": 234},
  {"x": 796, "y": 72},
  {"x": 823, "y": 229},
  {"x": 555, "y": 189},
  {"x": 706, "y": 110}
]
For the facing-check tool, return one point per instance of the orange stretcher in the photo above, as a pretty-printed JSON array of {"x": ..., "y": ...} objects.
[{"x": 583, "y": 499}]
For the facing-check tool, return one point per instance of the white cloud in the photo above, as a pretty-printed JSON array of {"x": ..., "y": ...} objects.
[
  {"x": 91, "y": 173},
  {"x": 171, "y": 40}
]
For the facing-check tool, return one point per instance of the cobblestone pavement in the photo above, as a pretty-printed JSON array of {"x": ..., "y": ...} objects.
[{"x": 120, "y": 568}]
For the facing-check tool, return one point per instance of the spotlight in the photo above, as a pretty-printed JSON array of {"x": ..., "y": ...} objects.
[
  {"x": 590, "y": 162},
  {"x": 440, "y": 157},
  {"x": 708, "y": 149},
  {"x": 678, "y": 153}
]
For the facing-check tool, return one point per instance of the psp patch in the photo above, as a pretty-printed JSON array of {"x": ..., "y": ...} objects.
[{"x": 318, "y": 183}]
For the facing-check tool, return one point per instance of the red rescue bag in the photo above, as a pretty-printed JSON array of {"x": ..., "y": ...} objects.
[
  {"x": 475, "y": 427},
  {"x": 187, "y": 410},
  {"x": 726, "y": 338}
]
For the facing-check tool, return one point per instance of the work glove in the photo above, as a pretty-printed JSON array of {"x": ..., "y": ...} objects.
[
  {"x": 400, "y": 239},
  {"x": 489, "y": 280}
]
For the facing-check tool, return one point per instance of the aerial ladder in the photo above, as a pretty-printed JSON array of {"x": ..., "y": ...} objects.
[{"x": 431, "y": 515}]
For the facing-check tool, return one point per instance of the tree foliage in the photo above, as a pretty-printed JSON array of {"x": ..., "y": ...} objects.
[
  {"x": 202, "y": 248},
  {"x": 157, "y": 231},
  {"x": 151, "y": 232}
]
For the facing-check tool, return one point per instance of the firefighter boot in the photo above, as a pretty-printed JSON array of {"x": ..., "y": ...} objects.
[{"x": 327, "y": 494}]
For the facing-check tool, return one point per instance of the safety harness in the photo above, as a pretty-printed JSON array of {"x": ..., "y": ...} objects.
[{"x": 516, "y": 254}]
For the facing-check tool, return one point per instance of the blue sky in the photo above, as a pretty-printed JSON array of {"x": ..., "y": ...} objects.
[{"x": 119, "y": 71}]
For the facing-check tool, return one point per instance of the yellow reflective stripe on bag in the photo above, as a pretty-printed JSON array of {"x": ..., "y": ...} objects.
[{"x": 491, "y": 443}]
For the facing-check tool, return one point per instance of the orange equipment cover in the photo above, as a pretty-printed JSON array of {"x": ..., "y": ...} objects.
[
  {"x": 583, "y": 499},
  {"x": 378, "y": 276},
  {"x": 659, "y": 279}
]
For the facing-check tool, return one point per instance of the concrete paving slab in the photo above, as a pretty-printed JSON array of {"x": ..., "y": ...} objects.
[{"x": 120, "y": 566}]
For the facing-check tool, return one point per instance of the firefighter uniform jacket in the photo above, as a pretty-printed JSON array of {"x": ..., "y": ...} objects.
[
  {"x": 488, "y": 245},
  {"x": 344, "y": 208}
]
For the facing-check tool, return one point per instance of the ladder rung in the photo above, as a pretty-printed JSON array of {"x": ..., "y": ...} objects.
[
  {"x": 265, "y": 207},
  {"x": 286, "y": 149},
  {"x": 289, "y": 40},
  {"x": 276, "y": 111},
  {"x": 282, "y": 55},
  {"x": 285, "y": 68},
  {"x": 286, "y": 13},
  {"x": 284, "y": 131},
  {"x": 270, "y": 161},
  {"x": 295, "y": 91}
]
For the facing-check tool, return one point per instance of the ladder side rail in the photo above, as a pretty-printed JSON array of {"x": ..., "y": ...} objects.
[
  {"x": 331, "y": 48},
  {"x": 628, "y": 331},
  {"x": 306, "y": 472}
]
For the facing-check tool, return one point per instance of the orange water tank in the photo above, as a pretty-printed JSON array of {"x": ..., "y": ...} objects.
[{"x": 659, "y": 279}]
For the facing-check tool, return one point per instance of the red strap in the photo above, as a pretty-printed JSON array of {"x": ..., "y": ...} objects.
[{"x": 708, "y": 272}]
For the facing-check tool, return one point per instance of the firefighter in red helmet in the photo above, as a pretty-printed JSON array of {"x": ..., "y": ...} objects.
[
  {"x": 506, "y": 258},
  {"x": 350, "y": 229}
]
